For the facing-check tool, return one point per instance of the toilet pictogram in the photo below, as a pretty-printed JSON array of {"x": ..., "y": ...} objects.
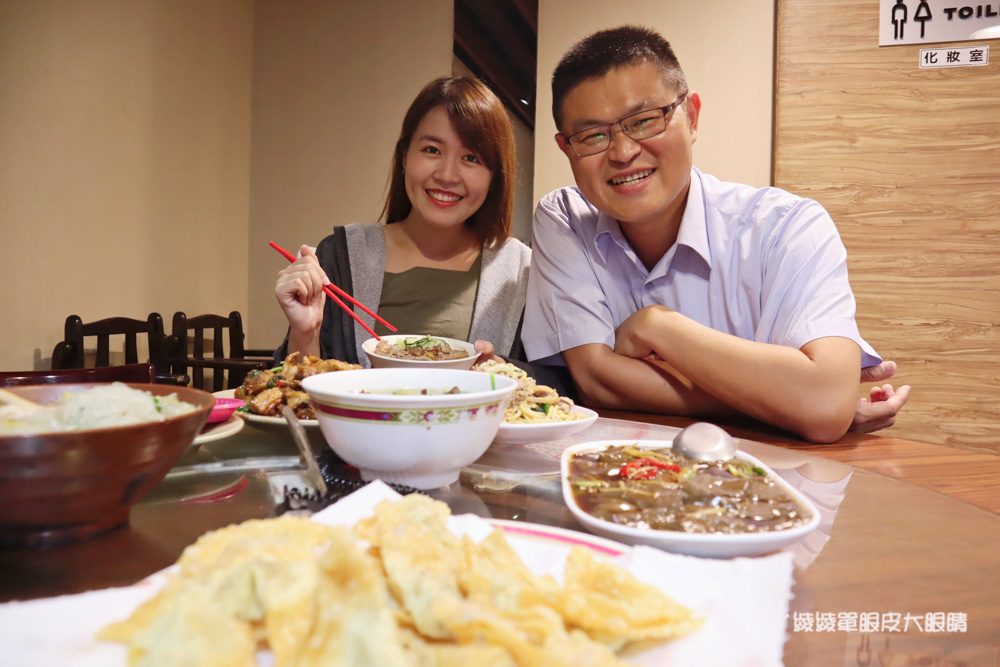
[
  {"x": 922, "y": 16},
  {"x": 899, "y": 12}
]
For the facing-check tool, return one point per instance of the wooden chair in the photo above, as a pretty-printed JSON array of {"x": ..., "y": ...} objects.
[
  {"x": 70, "y": 352},
  {"x": 139, "y": 373},
  {"x": 186, "y": 346}
]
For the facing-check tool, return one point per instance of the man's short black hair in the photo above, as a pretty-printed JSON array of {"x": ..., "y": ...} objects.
[{"x": 598, "y": 54}]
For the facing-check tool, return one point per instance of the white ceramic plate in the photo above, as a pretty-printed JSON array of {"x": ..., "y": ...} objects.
[
  {"x": 379, "y": 361},
  {"x": 260, "y": 419},
  {"x": 712, "y": 545},
  {"x": 274, "y": 421},
  {"x": 219, "y": 430},
  {"x": 522, "y": 434},
  {"x": 530, "y": 532}
]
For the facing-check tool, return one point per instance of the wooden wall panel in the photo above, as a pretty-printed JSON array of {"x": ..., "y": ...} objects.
[{"x": 907, "y": 161}]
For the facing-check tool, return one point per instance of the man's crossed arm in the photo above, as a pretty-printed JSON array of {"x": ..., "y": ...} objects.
[{"x": 665, "y": 362}]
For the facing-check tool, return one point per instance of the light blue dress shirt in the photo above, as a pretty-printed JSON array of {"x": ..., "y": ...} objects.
[{"x": 761, "y": 264}]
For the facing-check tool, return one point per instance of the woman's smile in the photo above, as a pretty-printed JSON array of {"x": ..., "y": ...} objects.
[{"x": 444, "y": 198}]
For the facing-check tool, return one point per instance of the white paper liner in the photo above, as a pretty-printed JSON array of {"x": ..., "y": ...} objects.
[{"x": 744, "y": 601}]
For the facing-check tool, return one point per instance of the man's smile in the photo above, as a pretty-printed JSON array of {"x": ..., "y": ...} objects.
[{"x": 631, "y": 177}]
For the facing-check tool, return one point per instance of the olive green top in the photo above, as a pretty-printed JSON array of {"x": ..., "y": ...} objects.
[{"x": 437, "y": 302}]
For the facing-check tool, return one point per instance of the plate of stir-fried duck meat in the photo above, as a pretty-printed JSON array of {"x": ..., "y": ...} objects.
[{"x": 266, "y": 392}]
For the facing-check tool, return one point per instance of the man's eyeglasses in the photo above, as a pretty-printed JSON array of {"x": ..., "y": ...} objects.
[{"x": 637, "y": 127}]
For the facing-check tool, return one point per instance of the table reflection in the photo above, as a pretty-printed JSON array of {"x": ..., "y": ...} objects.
[{"x": 885, "y": 549}]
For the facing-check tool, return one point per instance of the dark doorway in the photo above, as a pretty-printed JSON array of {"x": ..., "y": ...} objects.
[{"x": 498, "y": 41}]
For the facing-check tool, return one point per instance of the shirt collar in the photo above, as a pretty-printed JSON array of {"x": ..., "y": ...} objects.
[
  {"x": 606, "y": 232},
  {"x": 694, "y": 225}
]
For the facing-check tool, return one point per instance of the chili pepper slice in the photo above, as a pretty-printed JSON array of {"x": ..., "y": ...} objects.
[{"x": 646, "y": 468}]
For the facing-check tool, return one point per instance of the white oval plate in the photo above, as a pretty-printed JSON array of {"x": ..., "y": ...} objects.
[
  {"x": 275, "y": 421},
  {"x": 711, "y": 545},
  {"x": 261, "y": 419},
  {"x": 219, "y": 430},
  {"x": 523, "y": 434}
]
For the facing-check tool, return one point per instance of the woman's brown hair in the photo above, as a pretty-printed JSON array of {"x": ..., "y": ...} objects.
[{"x": 481, "y": 122}]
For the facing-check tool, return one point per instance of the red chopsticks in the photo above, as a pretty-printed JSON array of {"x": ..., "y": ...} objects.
[{"x": 329, "y": 289}]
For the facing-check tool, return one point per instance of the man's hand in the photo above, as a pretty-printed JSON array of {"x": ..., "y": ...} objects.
[
  {"x": 879, "y": 373},
  {"x": 884, "y": 403},
  {"x": 630, "y": 337}
]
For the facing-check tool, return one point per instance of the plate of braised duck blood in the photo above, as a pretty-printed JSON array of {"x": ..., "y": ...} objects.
[{"x": 642, "y": 492}]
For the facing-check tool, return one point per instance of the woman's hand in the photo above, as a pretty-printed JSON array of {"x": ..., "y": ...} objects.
[
  {"x": 299, "y": 291},
  {"x": 485, "y": 350}
]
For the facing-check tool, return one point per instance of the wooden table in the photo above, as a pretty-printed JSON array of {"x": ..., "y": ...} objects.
[{"x": 905, "y": 537}]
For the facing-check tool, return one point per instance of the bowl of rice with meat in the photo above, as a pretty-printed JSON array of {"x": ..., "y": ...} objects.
[
  {"x": 421, "y": 351},
  {"x": 76, "y": 462}
]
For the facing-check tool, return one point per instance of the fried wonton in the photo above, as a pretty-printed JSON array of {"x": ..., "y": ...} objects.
[
  {"x": 614, "y": 608},
  {"x": 304, "y": 590},
  {"x": 417, "y": 597}
]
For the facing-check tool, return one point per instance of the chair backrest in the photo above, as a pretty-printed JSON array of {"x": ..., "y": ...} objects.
[
  {"x": 186, "y": 348},
  {"x": 69, "y": 353},
  {"x": 185, "y": 329},
  {"x": 140, "y": 373}
]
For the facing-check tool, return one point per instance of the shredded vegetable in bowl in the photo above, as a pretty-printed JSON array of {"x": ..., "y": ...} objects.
[{"x": 116, "y": 404}]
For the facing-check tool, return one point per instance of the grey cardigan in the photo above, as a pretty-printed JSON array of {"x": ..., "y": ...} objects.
[{"x": 354, "y": 260}]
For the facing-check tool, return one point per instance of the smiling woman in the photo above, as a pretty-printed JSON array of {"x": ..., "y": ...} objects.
[{"x": 444, "y": 262}]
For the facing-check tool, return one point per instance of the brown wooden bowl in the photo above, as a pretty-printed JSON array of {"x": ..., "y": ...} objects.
[{"x": 64, "y": 487}]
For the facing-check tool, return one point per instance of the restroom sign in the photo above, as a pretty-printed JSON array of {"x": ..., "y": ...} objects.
[
  {"x": 934, "y": 21},
  {"x": 955, "y": 56}
]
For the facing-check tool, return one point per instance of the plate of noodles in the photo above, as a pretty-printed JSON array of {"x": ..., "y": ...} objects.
[
  {"x": 536, "y": 413},
  {"x": 523, "y": 434}
]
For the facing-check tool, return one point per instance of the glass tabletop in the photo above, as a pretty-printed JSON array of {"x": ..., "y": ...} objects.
[{"x": 893, "y": 571}]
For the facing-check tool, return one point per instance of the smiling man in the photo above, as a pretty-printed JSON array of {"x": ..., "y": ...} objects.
[{"x": 666, "y": 290}]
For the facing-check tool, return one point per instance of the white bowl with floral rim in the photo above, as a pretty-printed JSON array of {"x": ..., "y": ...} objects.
[{"x": 421, "y": 440}]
